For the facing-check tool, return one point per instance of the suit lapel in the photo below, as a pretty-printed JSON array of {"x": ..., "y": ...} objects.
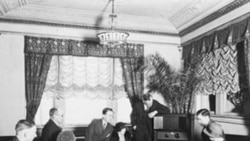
[
  {"x": 107, "y": 131},
  {"x": 104, "y": 132}
]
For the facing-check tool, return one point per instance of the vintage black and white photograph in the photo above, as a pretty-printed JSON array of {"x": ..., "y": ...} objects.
[{"x": 124, "y": 70}]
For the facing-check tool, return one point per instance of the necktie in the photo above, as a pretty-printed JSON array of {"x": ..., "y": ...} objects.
[{"x": 104, "y": 125}]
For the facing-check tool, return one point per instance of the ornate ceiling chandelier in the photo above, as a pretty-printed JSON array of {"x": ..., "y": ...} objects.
[{"x": 113, "y": 37}]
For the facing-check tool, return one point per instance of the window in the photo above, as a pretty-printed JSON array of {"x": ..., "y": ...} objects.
[
  {"x": 82, "y": 110},
  {"x": 230, "y": 75},
  {"x": 42, "y": 115},
  {"x": 123, "y": 109},
  {"x": 82, "y": 87}
]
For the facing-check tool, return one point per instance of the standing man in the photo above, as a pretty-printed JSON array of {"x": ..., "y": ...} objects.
[
  {"x": 211, "y": 131},
  {"x": 153, "y": 107},
  {"x": 142, "y": 117},
  {"x": 101, "y": 129},
  {"x": 25, "y": 131},
  {"x": 53, "y": 127}
]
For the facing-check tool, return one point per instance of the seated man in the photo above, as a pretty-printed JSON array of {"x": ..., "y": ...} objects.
[
  {"x": 25, "y": 131},
  {"x": 101, "y": 129},
  {"x": 53, "y": 127},
  {"x": 211, "y": 131}
]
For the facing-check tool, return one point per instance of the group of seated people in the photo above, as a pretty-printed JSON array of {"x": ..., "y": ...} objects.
[{"x": 102, "y": 130}]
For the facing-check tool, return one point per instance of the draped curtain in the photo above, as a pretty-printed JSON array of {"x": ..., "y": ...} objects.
[
  {"x": 219, "y": 71},
  {"x": 36, "y": 70},
  {"x": 218, "y": 59},
  {"x": 133, "y": 78},
  {"x": 68, "y": 54}
]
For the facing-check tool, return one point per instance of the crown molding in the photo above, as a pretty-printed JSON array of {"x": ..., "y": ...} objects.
[
  {"x": 9, "y": 5},
  {"x": 22, "y": 21},
  {"x": 217, "y": 14},
  {"x": 4, "y": 8}
]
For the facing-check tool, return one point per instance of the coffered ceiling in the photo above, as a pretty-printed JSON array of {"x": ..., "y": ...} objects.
[{"x": 162, "y": 16}]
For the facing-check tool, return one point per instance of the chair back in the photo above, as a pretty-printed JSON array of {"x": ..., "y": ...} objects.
[{"x": 66, "y": 136}]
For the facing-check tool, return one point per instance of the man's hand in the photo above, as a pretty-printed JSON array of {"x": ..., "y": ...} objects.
[
  {"x": 108, "y": 135},
  {"x": 152, "y": 114},
  {"x": 134, "y": 127}
]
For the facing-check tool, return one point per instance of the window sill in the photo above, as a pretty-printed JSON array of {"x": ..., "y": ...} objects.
[
  {"x": 233, "y": 124},
  {"x": 232, "y": 118}
]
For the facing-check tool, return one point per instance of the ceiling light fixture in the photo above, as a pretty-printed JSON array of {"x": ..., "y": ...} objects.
[{"x": 113, "y": 37}]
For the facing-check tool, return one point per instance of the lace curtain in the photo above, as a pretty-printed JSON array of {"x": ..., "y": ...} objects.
[{"x": 89, "y": 77}]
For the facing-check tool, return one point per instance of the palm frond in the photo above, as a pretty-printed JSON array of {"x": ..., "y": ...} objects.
[{"x": 177, "y": 88}]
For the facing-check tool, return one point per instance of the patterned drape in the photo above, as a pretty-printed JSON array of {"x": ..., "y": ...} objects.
[
  {"x": 219, "y": 71},
  {"x": 36, "y": 70},
  {"x": 218, "y": 53},
  {"x": 81, "y": 48},
  {"x": 133, "y": 78}
]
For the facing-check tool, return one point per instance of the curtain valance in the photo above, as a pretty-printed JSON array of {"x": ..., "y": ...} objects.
[
  {"x": 80, "y": 48},
  {"x": 231, "y": 34}
]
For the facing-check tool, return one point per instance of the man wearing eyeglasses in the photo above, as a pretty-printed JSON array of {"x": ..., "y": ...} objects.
[{"x": 53, "y": 127}]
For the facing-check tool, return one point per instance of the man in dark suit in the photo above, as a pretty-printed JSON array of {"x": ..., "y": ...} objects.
[
  {"x": 142, "y": 117},
  {"x": 25, "y": 131},
  {"x": 153, "y": 107},
  {"x": 211, "y": 131},
  {"x": 53, "y": 127},
  {"x": 100, "y": 129}
]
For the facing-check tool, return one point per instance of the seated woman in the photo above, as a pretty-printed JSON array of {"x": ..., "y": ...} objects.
[{"x": 120, "y": 133}]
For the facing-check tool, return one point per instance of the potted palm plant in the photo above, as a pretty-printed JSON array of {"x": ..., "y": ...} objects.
[{"x": 176, "y": 87}]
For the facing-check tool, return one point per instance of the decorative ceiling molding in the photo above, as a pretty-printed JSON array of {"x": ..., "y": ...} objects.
[
  {"x": 193, "y": 9},
  {"x": 218, "y": 28},
  {"x": 89, "y": 18},
  {"x": 226, "y": 9},
  {"x": 17, "y": 21},
  {"x": 9, "y": 5},
  {"x": 22, "y": 2},
  {"x": 132, "y": 16},
  {"x": 4, "y": 8}
]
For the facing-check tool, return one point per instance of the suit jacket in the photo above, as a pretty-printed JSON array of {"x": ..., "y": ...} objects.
[
  {"x": 140, "y": 119},
  {"x": 95, "y": 131},
  {"x": 139, "y": 116},
  {"x": 212, "y": 130},
  {"x": 159, "y": 107},
  {"x": 50, "y": 131}
]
